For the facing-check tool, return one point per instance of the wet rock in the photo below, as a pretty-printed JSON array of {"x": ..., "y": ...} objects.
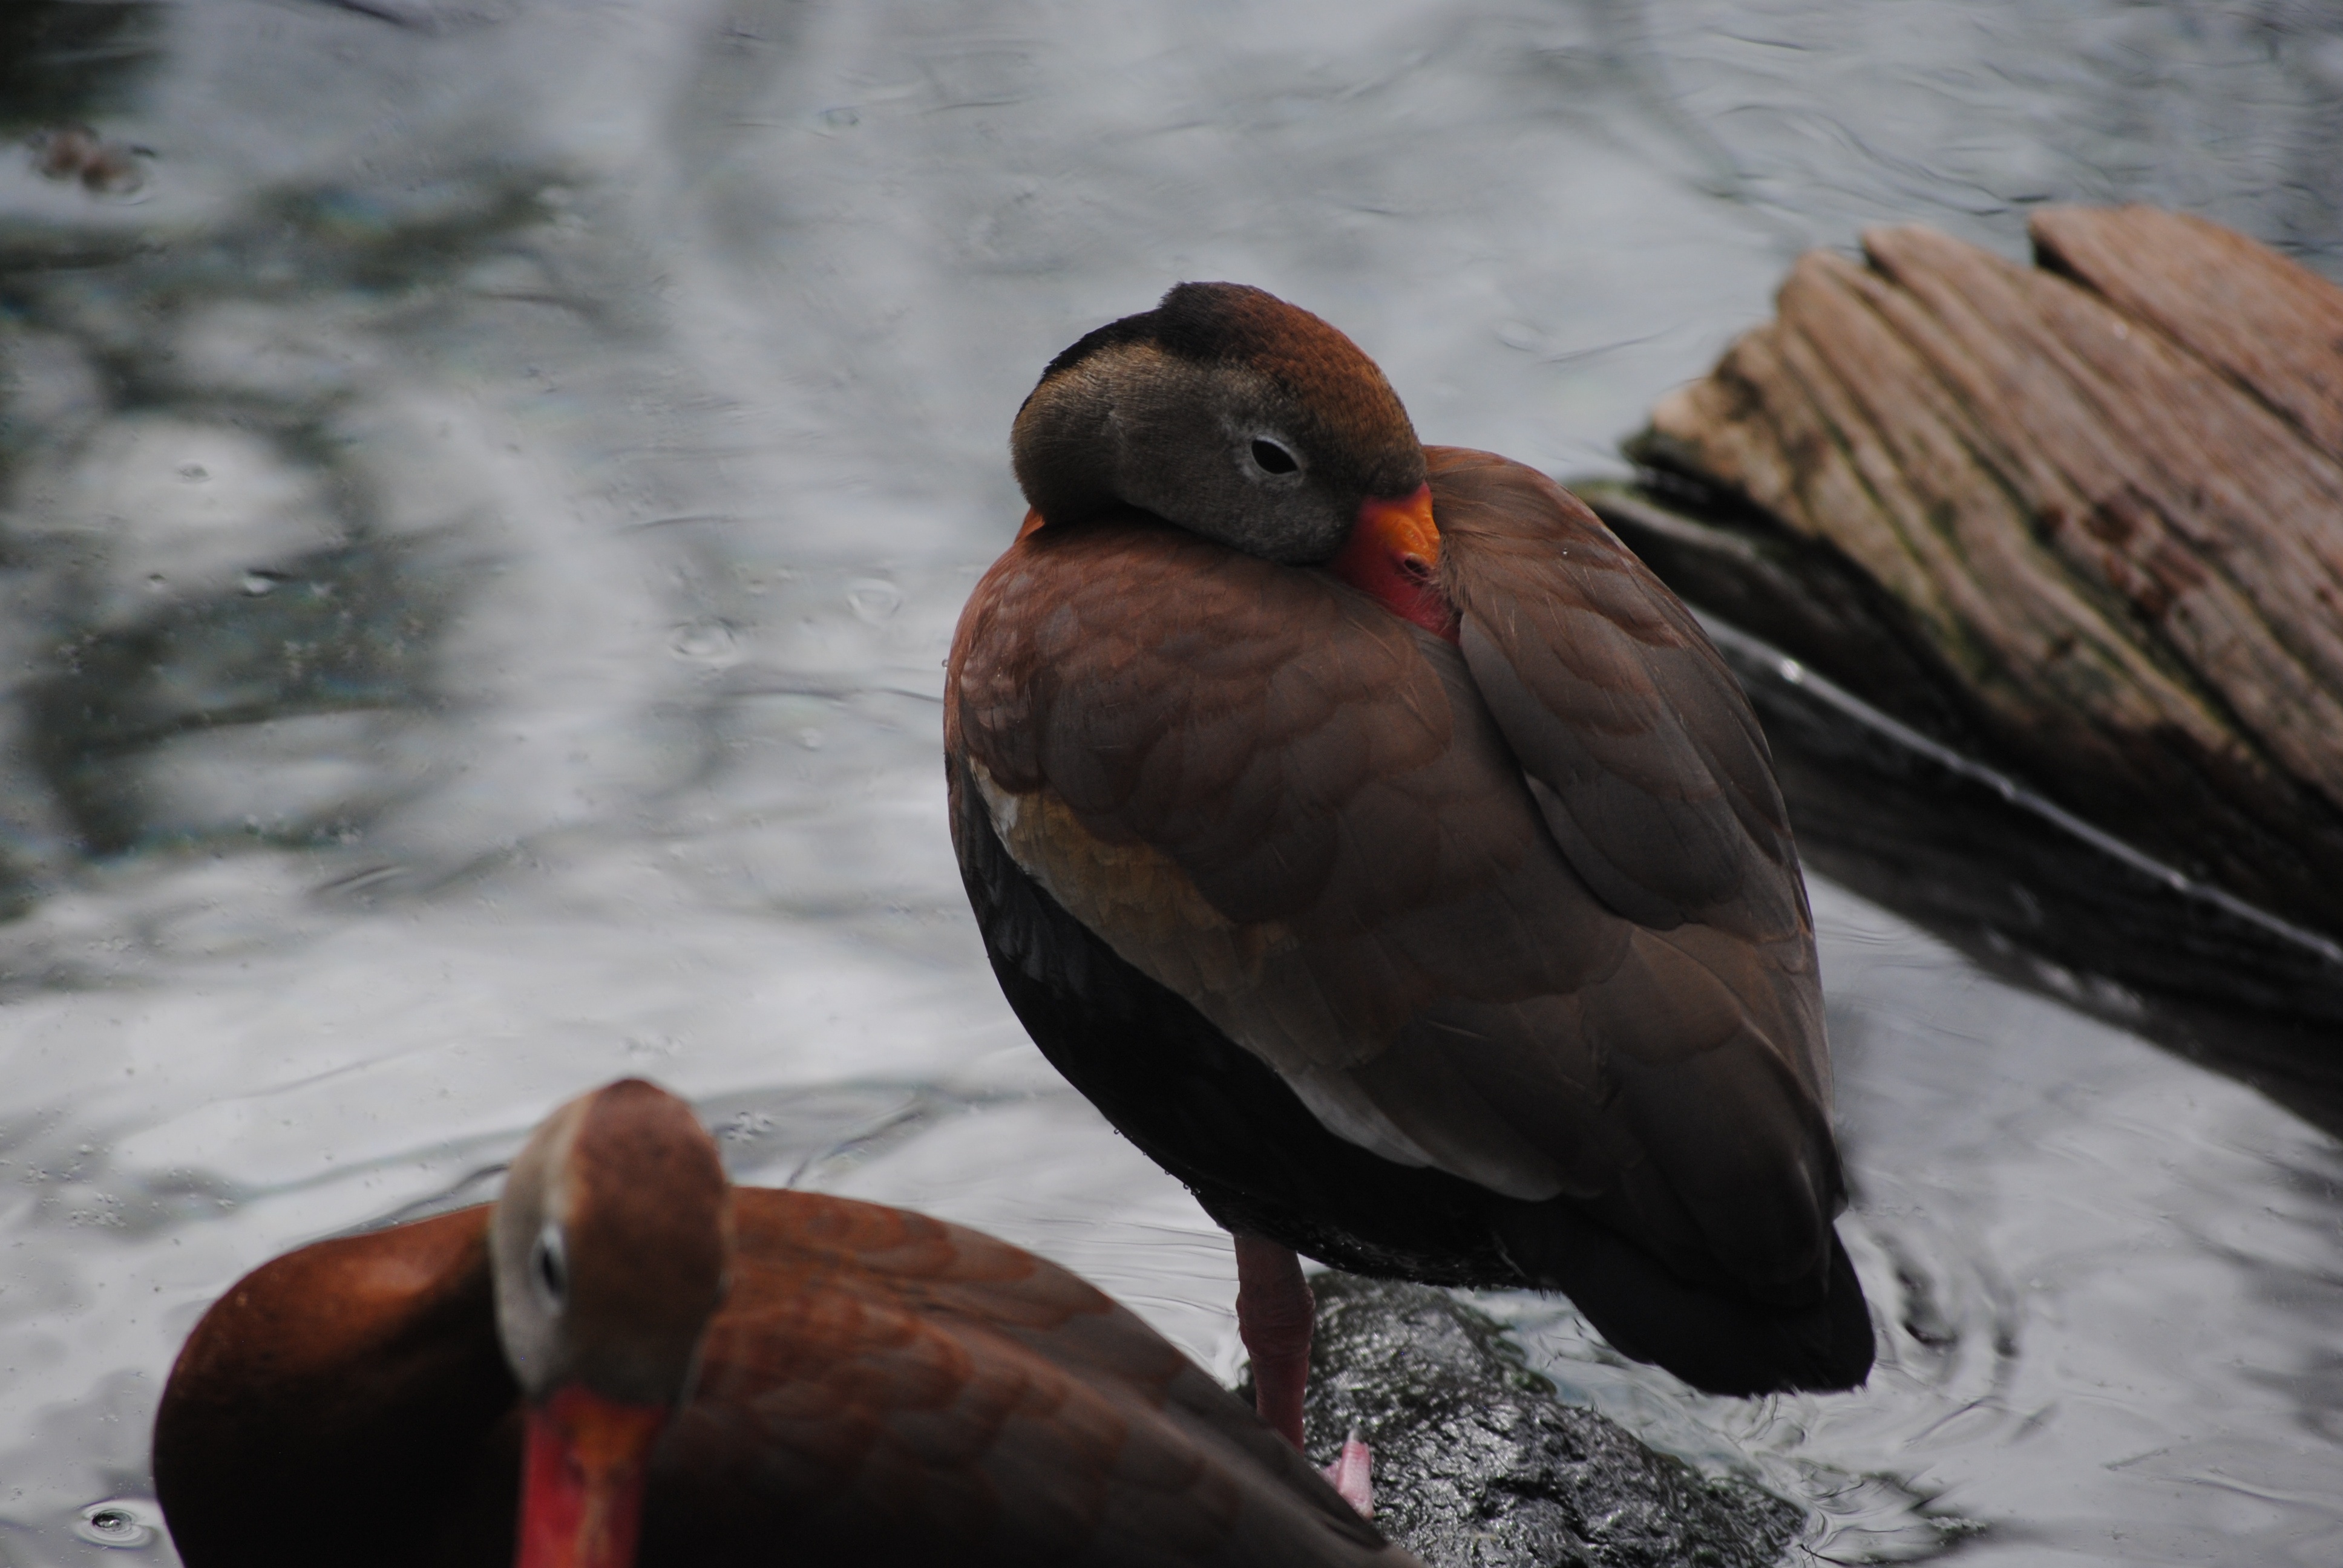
[{"x": 1477, "y": 1462}]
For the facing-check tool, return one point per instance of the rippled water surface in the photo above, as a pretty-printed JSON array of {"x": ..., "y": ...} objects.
[{"x": 487, "y": 485}]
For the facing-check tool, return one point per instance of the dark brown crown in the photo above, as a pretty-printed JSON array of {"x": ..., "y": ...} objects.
[{"x": 1354, "y": 420}]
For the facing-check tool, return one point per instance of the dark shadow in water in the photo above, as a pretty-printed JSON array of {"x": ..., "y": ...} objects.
[
  {"x": 2039, "y": 898},
  {"x": 61, "y": 60},
  {"x": 353, "y": 628},
  {"x": 341, "y": 630}
]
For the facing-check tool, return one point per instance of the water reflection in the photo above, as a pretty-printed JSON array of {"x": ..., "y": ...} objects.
[
  {"x": 481, "y": 526},
  {"x": 2112, "y": 1283}
]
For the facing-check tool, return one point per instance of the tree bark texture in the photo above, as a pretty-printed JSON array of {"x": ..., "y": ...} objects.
[{"x": 2088, "y": 515}]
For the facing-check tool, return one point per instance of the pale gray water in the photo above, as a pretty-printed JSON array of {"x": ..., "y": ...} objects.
[{"x": 483, "y": 520}]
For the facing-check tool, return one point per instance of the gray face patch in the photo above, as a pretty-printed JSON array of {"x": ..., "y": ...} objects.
[
  {"x": 1183, "y": 437},
  {"x": 528, "y": 1315}
]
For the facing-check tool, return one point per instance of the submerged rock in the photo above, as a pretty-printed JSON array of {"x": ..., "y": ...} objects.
[{"x": 1477, "y": 1462}]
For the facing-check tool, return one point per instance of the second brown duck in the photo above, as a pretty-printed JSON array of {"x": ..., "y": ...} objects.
[{"x": 627, "y": 1360}]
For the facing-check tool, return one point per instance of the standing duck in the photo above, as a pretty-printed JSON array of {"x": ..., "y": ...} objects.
[
  {"x": 627, "y": 1360},
  {"x": 1388, "y": 854}
]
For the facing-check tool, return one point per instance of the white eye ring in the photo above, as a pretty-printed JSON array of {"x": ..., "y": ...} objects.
[
  {"x": 1272, "y": 457},
  {"x": 549, "y": 1268}
]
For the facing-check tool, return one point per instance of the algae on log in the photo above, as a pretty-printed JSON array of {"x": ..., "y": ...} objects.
[{"x": 2086, "y": 517}]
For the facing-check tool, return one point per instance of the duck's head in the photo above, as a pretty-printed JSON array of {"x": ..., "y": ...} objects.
[
  {"x": 609, "y": 1249},
  {"x": 1249, "y": 421}
]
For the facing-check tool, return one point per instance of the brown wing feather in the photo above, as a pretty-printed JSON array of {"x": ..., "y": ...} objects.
[
  {"x": 1273, "y": 797},
  {"x": 1656, "y": 773},
  {"x": 985, "y": 1404},
  {"x": 1646, "y": 760}
]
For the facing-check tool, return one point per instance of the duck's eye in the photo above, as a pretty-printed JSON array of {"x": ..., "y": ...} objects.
[
  {"x": 549, "y": 1268},
  {"x": 1273, "y": 458}
]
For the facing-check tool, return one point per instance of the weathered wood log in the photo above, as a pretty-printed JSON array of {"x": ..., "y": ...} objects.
[{"x": 2084, "y": 519}]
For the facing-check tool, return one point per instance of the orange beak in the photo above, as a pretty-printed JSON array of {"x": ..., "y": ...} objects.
[
  {"x": 582, "y": 1478},
  {"x": 1394, "y": 556}
]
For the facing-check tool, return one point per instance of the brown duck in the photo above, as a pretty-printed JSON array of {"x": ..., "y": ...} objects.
[
  {"x": 627, "y": 1360},
  {"x": 1389, "y": 855}
]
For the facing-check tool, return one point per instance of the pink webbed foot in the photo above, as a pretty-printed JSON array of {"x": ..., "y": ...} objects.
[{"x": 1349, "y": 1473}]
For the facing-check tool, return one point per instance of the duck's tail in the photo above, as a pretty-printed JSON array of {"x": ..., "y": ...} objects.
[{"x": 1715, "y": 1341}]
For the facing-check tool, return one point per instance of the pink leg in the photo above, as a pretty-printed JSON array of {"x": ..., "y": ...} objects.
[{"x": 1274, "y": 1312}]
